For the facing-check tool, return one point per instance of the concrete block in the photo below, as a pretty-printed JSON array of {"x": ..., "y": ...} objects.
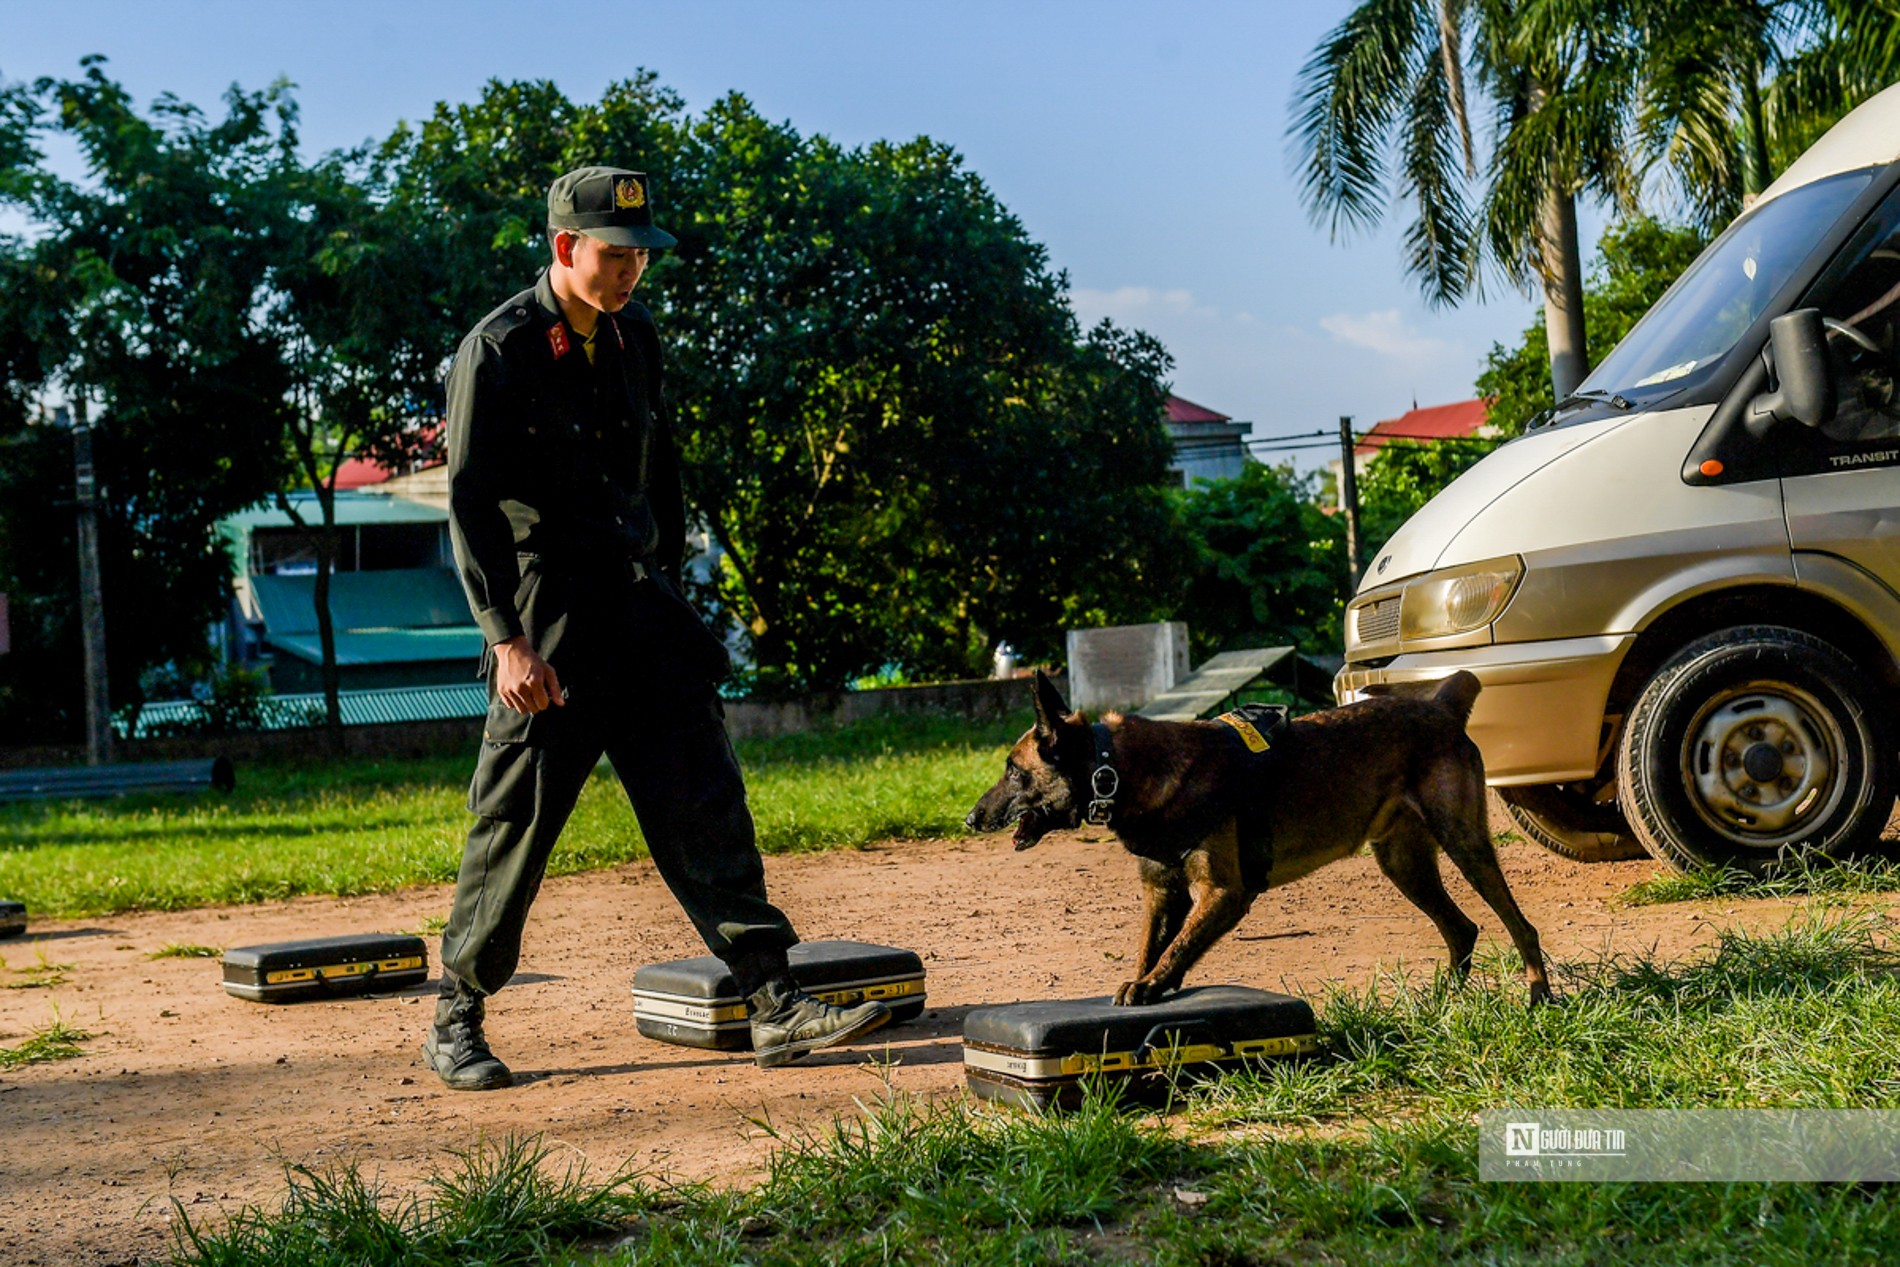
[{"x": 1125, "y": 666}]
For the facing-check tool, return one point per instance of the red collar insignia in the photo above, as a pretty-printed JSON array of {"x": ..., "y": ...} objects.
[{"x": 557, "y": 339}]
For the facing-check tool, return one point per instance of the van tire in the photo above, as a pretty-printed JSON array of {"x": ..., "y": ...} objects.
[
  {"x": 1752, "y": 747},
  {"x": 1565, "y": 819}
]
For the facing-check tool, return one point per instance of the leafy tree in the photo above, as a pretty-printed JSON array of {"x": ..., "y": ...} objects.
[
  {"x": 1726, "y": 93},
  {"x": 140, "y": 297},
  {"x": 1636, "y": 261},
  {"x": 1383, "y": 108},
  {"x": 471, "y": 183},
  {"x": 351, "y": 293},
  {"x": 1268, "y": 566},
  {"x": 892, "y": 425}
]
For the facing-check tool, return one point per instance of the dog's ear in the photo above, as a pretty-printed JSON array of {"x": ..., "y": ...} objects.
[{"x": 1050, "y": 709}]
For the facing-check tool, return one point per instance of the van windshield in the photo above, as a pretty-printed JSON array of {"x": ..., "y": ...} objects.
[{"x": 1700, "y": 318}]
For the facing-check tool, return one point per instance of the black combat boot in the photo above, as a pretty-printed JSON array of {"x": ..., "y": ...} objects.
[
  {"x": 787, "y": 1022},
  {"x": 455, "y": 1048}
]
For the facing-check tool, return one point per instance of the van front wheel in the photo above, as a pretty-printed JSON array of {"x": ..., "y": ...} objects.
[{"x": 1752, "y": 747}]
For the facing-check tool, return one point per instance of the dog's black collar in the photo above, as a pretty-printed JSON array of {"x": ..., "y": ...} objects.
[{"x": 1103, "y": 781}]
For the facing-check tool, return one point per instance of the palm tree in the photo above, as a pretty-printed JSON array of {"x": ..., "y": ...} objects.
[
  {"x": 1728, "y": 92},
  {"x": 1383, "y": 108}
]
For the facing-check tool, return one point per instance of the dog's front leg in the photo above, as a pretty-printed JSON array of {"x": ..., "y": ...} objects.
[
  {"x": 1164, "y": 906},
  {"x": 1216, "y": 901}
]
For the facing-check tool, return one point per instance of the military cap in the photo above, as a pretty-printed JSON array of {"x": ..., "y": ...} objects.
[{"x": 609, "y": 203}]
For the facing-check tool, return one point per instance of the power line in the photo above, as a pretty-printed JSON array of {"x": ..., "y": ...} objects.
[
  {"x": 1289, "y": 448},
  {"x": 1292, "y": 435},
  {"x": 1300, "y": 440}
]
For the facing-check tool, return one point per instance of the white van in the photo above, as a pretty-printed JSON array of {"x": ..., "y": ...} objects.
[{"x": 1682, "y": 590}]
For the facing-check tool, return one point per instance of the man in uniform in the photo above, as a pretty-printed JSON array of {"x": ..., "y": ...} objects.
[{"x": 569, "y": 529}]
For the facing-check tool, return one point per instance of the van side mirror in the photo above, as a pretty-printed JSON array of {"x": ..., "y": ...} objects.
[{"x": 1805, "y": 388}]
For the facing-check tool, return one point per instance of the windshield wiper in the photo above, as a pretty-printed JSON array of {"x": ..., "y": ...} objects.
[{"x": 1615, "y": 400}]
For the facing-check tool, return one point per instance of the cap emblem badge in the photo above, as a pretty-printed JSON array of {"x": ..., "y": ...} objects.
[{"x": 627, "y": 193}]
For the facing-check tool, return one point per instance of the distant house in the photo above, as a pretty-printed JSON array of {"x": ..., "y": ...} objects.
[
  {"x": 1207, "y": 445},
  {"x": 396, "y": 604},
  {"x": 428, "y": 483},
  {"x": 1458, "y": 420}
]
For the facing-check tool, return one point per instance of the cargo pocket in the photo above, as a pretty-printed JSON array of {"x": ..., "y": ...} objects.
[{"x": 504, "y": 782}]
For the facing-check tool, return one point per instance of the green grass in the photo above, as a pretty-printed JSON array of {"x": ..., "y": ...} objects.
[
  {"x": 41, "y": 974},
  {"x": 1799, "y": 877},
  {"x": 1801, "y": 1018},
  {"x": 56, "y": 1040},
  {"x": 369, "y": 826},
  {"x": 1368, "y": 1156},
  {"x": 501, "y": 1205},
  {"x": 431, "y": 926},
  {"x": 185, "y": 950}
]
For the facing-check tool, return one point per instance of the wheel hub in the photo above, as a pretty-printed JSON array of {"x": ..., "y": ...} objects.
[{"x": 1762, "y": 764}]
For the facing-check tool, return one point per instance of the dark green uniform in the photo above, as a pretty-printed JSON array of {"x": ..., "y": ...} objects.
[{"x": 568, "y": 524}]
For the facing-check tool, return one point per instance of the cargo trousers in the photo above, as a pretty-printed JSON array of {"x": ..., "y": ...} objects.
[{"x": 641, "y": 695}]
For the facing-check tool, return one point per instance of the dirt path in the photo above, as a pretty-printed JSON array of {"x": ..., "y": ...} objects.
[{"x": 190, "y": 1093}]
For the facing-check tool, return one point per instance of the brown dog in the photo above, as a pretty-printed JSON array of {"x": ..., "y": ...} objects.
[{"x": 1216, "y": 823}]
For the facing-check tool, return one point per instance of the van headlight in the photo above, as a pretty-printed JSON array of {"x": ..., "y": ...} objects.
[{"x": 1458, "y": 600}]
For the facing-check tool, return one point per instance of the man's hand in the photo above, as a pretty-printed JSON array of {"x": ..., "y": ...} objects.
[{"x": 525, "y": 682}]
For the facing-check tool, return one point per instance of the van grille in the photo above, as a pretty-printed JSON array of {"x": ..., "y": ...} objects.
[{"x": 1377, "y": 622}]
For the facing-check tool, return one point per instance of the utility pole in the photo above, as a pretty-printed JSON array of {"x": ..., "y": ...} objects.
[
  {"x": 92, "y": 609},
  {"x": 1349, "y": 502}
]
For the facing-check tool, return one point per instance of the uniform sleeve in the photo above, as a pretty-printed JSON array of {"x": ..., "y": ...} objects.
[{"x": 483, "y": 539}]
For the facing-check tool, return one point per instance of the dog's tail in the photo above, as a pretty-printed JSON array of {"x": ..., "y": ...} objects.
[{"x": 1457, "y": 693}]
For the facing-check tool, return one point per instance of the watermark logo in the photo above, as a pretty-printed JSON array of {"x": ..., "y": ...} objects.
[
  {"x": 1534, "y": 1139},
  {"x": 1689, "y": 1145}
]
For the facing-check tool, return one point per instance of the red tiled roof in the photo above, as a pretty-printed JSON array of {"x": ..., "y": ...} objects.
[
  {"x": 1433, "y": 422},
  {"x": 358, "y": 472},
  {"x": 1180, "y": 410}
]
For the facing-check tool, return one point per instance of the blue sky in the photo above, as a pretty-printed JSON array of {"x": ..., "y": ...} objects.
[{"x": 1145, "y": 145}]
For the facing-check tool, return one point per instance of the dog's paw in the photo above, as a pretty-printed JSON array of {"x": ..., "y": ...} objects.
[{"x": 1136, "y": 994}]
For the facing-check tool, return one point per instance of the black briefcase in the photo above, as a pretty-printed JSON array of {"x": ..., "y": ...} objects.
[
  {"x": 694, "y": 1003},
  {"x": 1036, "y": 1055},
  {"x": 12, "y": 919},
  {"x": 326, "y": 967}
]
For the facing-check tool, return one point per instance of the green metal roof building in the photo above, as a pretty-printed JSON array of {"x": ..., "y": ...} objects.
[{"x": 396, "y": 605}]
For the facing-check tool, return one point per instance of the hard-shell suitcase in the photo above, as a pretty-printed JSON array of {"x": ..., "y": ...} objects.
[
  {"x": 12, "y": 919},
  {"x": 326, "y": 967},
  {"x": 694, "y": 1003},
  {"x": 1037, "y": 1054}
]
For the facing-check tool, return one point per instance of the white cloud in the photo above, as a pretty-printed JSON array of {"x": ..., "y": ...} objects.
[
  {"x": 1136, "y": 305},
  {"x": 1387, "y": 333}
]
